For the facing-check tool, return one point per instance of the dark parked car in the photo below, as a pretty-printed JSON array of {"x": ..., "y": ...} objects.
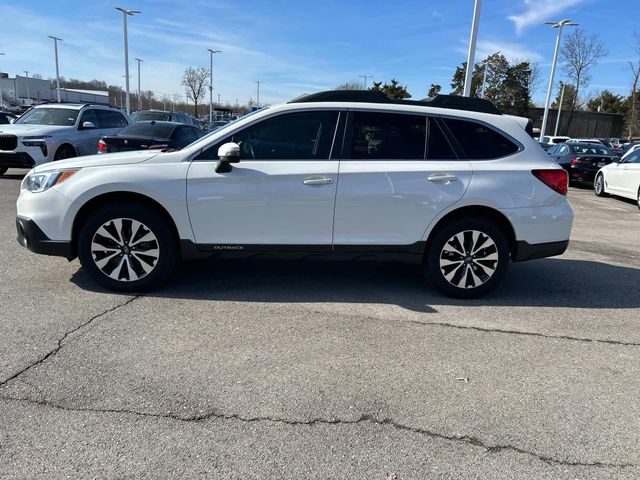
[
  {"x": 6, "y": 118},
  {"x": 150, "y": 136},
  {"x": 582, "y": 160},
  {"x": 160, "y": 115}
]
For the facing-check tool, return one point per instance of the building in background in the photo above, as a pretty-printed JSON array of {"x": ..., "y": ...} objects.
[{"x": 21, "y": 92}]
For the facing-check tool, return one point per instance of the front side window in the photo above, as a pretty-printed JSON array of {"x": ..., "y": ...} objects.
[
  {"x": 50, "y": 116},
  {"x": 110, "y": 119},
  {"x": 89, "y": 116},
  {"x": 294, "y": 136},
  {"x": 376, "y": 136},
  {"x": 633, "y": 158},
  {"x": 478, "y": 141}
]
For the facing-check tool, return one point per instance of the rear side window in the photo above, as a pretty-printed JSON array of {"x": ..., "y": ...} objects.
[
  {"x": 110, "y": 119},
  {"x": 376, "y": 135},
  {"x": 479, "y": 142},
  {"x": 438, "y": 147}
]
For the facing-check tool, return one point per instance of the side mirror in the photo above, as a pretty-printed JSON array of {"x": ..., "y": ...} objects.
[
  {"x": 88, "y": 125},
  {"x": 228, "y": 153}
]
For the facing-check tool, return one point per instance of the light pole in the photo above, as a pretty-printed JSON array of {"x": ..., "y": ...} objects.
[
  {"x": 472, "y": 48},
  {"x": 139, "y": 60},
  {"x": 126, "y": 13},
  {"x": 55, "y": 49},
  {"x": 211, "y": 52},
  {"x": 365, "y": 79},
  {"x": 258, "y": 97},
  {"x": 1, "y": 98},
  {"x": 555, "y": 132},
  {"x": 559, "y": 25},
  {"x": 28, "y": 94}
]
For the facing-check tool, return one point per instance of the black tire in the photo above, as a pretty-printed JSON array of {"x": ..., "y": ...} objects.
[
  {"x": 139, "y": 255},
  {"x": 638, "y": 199},
  {"x": 3, "y": 170},
  {"x": 598, "y": 186},
  {"x": 65, "y": 151},
  {"x": 441, "y": 262}
]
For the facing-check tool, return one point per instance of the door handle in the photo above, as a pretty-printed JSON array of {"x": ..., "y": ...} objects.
[
  {"x": 317, "y": 180},
  {"x": 445, "y": 178}
]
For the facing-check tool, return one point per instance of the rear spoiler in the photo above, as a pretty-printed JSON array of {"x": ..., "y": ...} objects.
[{"x": 525, "y": 123}]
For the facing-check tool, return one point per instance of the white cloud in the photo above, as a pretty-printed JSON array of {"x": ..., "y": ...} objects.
[
  {"x": 512, "y": 51},
  {"x": 540, "y": 11}
]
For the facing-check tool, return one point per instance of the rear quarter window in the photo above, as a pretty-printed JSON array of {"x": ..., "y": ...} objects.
[{"x": 478, "y": 141}]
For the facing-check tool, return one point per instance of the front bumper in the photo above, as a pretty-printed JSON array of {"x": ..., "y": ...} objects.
[
  {"x": 526, "y": 251},
  {"x": 33, "y": 238},
  {"x": 16, "y": 160}
]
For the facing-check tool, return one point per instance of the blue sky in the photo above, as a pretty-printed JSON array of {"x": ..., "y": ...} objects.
[{"x": 297, "y": 47}]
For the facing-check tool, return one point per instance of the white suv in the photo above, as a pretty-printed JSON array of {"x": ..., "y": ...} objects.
[
  {"x": 55, "y": 131},
  {"x": 448, "y": 183}
]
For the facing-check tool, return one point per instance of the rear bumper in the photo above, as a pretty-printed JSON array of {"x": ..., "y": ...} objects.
[
  {"x": 526, "y": 251},
  {"x": 33, "y": 238},
  {"x": 16, "y": 160}
]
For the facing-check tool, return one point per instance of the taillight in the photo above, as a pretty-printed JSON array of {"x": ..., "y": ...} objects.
[
  {"x": 159, "y": 146},
  {"x": 555, "y": 179},
  {"x": 102, "y": 146}
]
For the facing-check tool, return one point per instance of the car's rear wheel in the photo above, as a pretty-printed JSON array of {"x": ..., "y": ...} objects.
[
  {"x": 65, "y": 151},
  {"x": 3, "y": 170},
  {"x": 598, "y": 186},
  {"x": 638, "y": 198},
  {"x": 467, "y": 258},
  {"x": 127, "y": 247}
]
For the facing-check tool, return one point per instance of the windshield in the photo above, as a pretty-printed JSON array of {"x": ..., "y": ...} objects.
[
  {"x": 64, "y": 117},
  {"x": 592, "y": 150},
  {"x": 145, "y": 116}
]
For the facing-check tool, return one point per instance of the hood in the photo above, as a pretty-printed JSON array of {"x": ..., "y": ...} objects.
[
  {"x": 103, "y": 160},
  {"x": 33, "y": 130}
]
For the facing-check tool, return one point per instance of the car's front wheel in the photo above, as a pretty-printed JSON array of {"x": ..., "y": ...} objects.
[
  {"x": 467, "y": 258},
  {"x": 598, "y": 186},
  {"x": 127, "y": 247}
]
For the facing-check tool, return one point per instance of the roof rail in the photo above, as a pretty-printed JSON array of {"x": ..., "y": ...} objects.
[
  {"x": 455, "y": 102},
  {"x": 46, "y": 102}
]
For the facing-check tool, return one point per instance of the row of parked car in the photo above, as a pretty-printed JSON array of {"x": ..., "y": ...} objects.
[
  {"x": 56, "y": 131},
  {"x": 611, "y": 166}
]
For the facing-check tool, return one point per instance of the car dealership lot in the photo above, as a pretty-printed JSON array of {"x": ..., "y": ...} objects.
[{"x": 263, "y": 369}]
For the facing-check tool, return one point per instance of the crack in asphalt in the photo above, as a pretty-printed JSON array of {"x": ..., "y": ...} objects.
[
  {"x": 530, "y": 334},
  {"x": 60, "y": 341},
  {"x": 364, "y": 418}
]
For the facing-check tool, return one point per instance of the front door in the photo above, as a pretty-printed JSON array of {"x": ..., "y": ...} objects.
[{"x": 282, "y": 193}]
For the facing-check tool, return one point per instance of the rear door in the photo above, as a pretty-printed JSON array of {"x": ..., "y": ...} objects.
[{"x": 398, "y": 171}]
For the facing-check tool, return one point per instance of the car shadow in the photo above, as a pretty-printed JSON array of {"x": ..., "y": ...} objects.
[
  {"x": 12, "y": 176},
  {"x": 543, "y": 283}
]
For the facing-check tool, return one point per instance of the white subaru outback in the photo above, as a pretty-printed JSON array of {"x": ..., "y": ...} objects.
[{"x": 446, "y": 182}]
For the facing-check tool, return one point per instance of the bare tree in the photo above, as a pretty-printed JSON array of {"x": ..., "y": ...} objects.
[
  {"x": 194, "y": 80},
  {"x": 579, "y": 54},
  {"x": 635, "y": 70},
  {"x": 352, "y": 85}
]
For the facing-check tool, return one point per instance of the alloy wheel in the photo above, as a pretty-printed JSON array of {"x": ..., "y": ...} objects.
[
  {"x": 599, "y": 184},
  {"x": 125, "y": 249},
  {"x": 469, "y": 259}
]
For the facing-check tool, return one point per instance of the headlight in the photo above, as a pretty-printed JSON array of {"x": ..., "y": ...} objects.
[{"x": 39, "y": 182}]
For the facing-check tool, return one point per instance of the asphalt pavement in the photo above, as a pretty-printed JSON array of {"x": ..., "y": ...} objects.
[{"x": 279, "y": 369}]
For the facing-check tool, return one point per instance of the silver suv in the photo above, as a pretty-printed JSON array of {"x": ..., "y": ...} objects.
[{"x": 55, "y": 131}]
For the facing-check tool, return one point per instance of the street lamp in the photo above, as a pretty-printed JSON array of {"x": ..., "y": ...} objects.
[
  {"x": 258, "y": 97},
  {"x": 1, "y": 99},
  {"x": 55, "y": 48},
  {"x": 211, "y": 52},
  {"x": 365, "y": 79},
  {"x": 28, "y": 94},
  {"x": 559, "y": 25},
  {"x": 126, "y": 13},
  {"x": 555, "y": 132},
  {"x": 484, "y": 77},
  {"x": 472, "y": 48},
  {"x": 139, "y": 97}
]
